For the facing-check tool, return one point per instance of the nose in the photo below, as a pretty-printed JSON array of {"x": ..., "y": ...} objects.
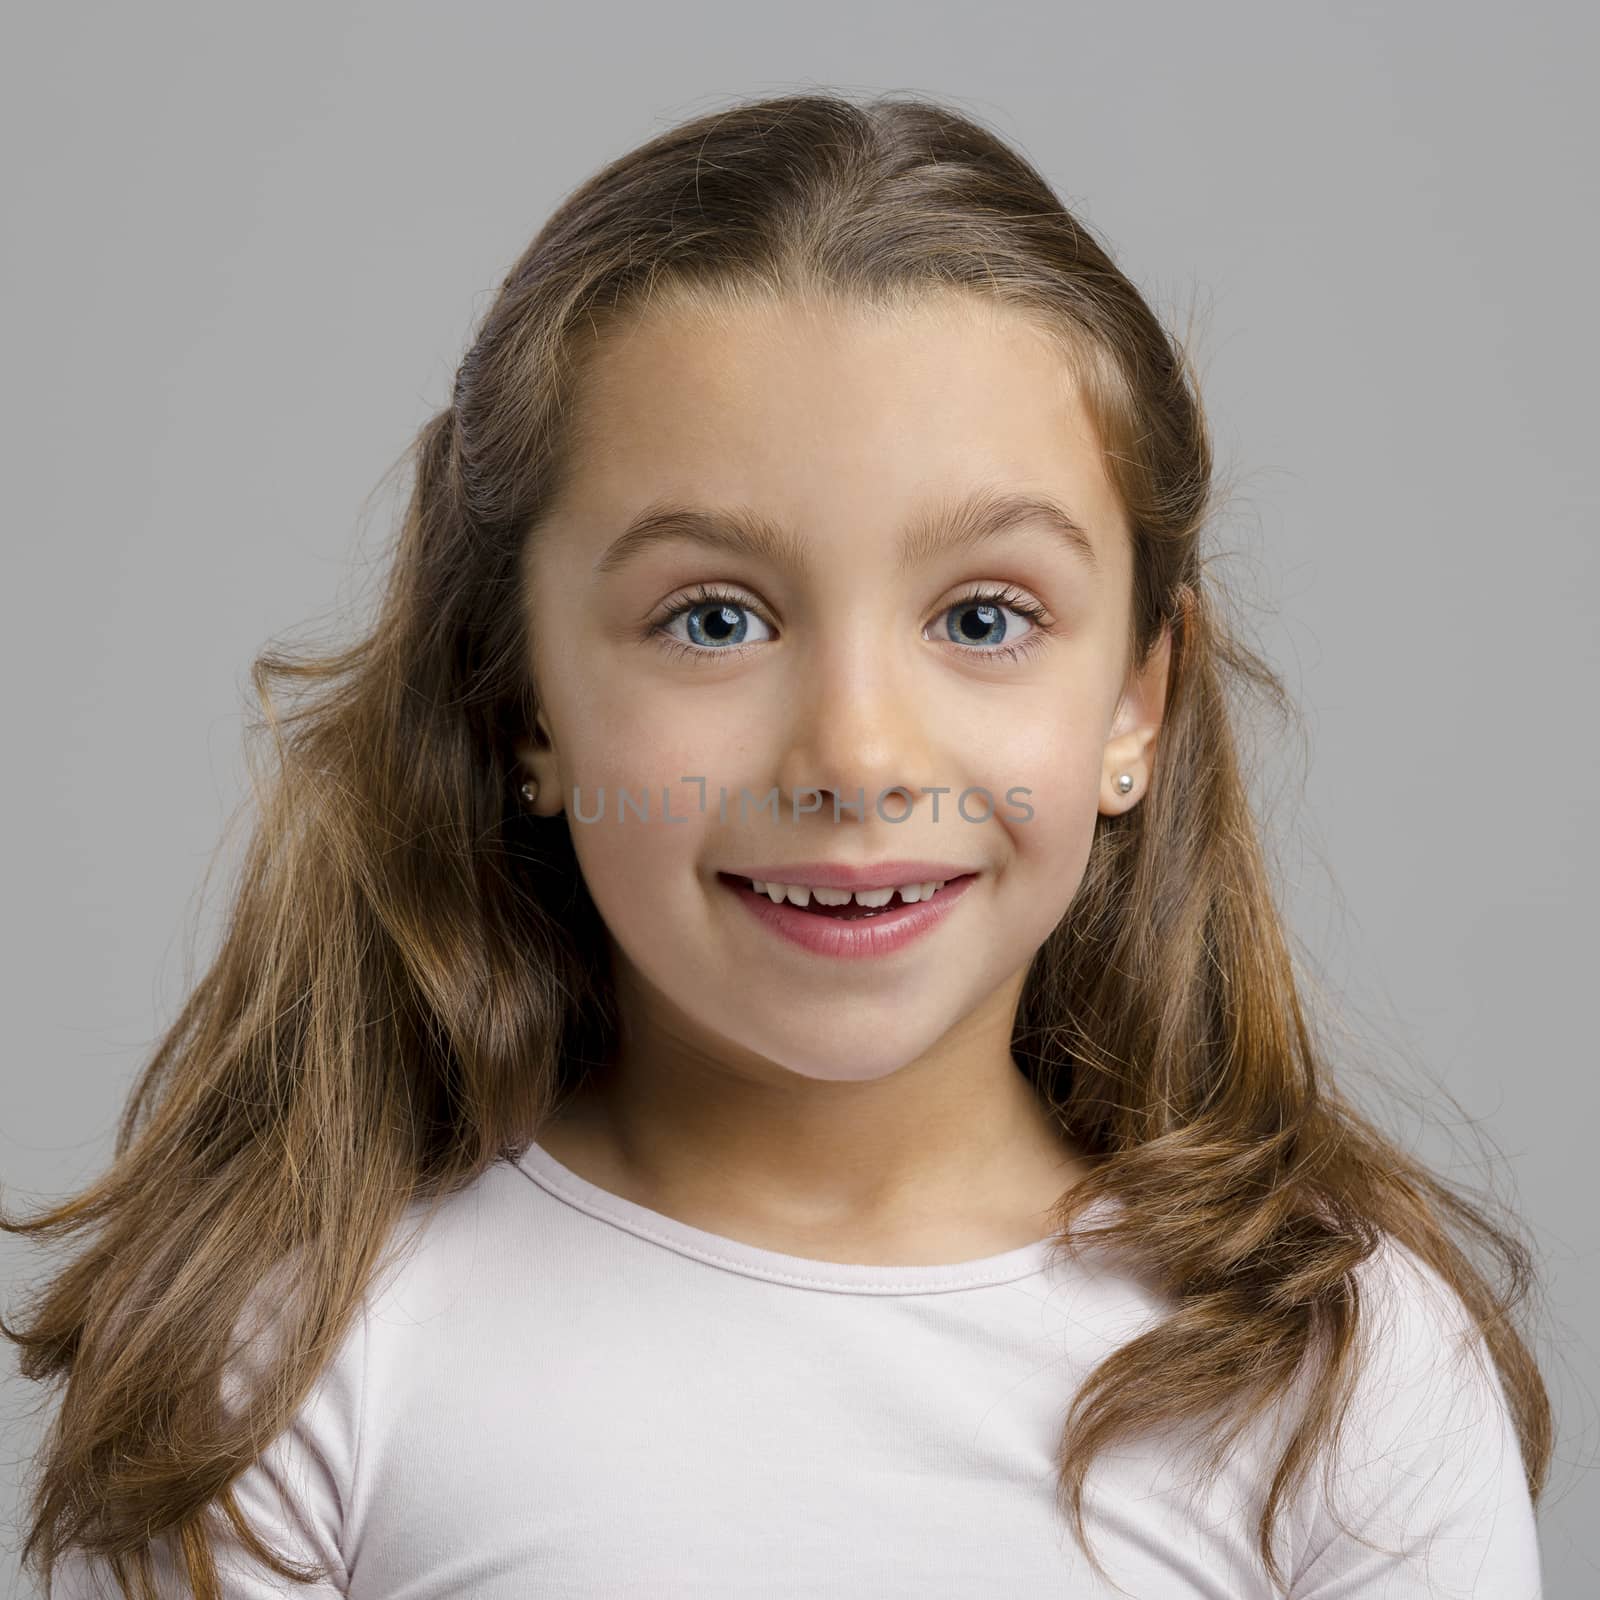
[{"x": 859, "y": 726}]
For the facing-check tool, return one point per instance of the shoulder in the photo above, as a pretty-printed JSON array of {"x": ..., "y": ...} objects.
[
  {"x": 1424, "y": 1375},
  {"x": 457, "y": 1245},
  {"x": 1422, "y": 1489},
  {"x": 1416, "y": 1333},
  {"x": 303, "y": 1491},
  {"x": 1404, "y": 1294}
]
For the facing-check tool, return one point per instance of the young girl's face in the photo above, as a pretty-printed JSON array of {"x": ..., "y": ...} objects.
[{"x": 832, "y": 662}]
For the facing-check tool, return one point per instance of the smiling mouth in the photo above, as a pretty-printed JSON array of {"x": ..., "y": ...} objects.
[{"x": 851, "y": 911}]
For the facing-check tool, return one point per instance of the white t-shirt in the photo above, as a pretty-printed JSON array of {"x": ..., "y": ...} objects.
[{"x": 555, "y": 1392}]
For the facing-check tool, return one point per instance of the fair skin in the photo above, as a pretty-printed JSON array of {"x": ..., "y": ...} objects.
[{"x": 863, "y": 1111}]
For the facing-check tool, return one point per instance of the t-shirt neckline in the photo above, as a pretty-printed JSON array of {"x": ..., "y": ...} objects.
[{"x": 754, "y": 1261}]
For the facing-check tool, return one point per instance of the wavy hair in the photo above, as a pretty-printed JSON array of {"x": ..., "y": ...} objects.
[{"x": 412, "y": 975}]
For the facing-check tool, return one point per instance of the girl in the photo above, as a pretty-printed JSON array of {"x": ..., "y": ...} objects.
[{"x": 755, "y": 1052}]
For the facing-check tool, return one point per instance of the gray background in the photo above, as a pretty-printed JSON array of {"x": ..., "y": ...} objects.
[{"x": 246, "y": 249}]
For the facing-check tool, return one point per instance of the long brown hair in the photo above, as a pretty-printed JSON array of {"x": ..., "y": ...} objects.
[{"x": 413, "y": 974}]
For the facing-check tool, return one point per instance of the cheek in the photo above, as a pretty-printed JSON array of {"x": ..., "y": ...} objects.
[
  {"x": 1054, "y": 762},
  {"x": 1050, "y": 850},
  {"x": 640, "y": 871},
  {"x": 617, "y": 736},
  {"x": 649, "y": 777}
]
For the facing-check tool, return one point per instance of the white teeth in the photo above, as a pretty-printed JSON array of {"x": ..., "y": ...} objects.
[{"x": 800, "y": 894}]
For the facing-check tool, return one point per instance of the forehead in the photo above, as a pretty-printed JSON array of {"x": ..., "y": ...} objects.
[{"x": 804, "y": 407}]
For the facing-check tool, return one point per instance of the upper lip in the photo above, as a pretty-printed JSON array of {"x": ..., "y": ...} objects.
[{"x": 836, "y": 875}]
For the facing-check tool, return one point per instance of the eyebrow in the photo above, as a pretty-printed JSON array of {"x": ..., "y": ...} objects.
[{"x": 970, "y": 520}]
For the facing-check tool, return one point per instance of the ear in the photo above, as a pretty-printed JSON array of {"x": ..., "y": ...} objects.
[
  {"x": 537, "y": 759},
  {"x": 1130, "y": 746}
]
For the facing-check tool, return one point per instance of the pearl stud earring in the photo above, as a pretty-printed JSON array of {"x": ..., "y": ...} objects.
[{"x": 1124, "y": 782}]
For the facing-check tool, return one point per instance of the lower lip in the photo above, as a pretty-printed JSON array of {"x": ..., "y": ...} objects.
[{"x": 850, "y": 939}]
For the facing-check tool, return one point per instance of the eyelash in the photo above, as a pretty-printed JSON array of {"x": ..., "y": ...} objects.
[{"x": 707, "y": 594}]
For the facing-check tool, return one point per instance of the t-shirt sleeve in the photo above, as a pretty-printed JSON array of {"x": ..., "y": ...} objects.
[
  {"x": 1427, "y": 1499},
  {"x": 295, "y": 1496}
]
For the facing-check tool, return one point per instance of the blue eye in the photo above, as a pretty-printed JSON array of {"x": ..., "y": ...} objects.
[
  {"x": 717, "y": 623},
  {"x": 976, "y": 619}
]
